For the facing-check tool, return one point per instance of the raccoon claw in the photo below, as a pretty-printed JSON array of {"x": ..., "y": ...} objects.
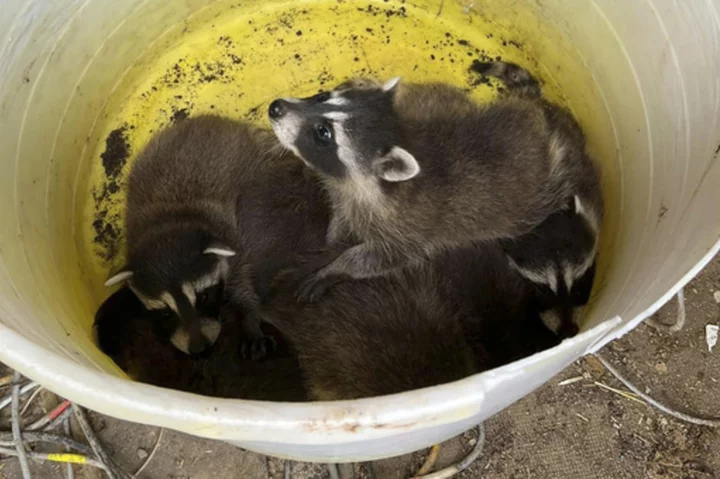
[
  {"x": 314, "y": 287},
  {"x": 258, "y": 348}
]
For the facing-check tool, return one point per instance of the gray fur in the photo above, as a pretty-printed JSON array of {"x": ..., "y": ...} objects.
[
  {"x": 206, "y": 188},
  {"x": 486, "y": 172}
]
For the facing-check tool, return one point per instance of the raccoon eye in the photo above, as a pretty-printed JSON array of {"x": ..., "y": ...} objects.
[
  {"x": 544, "y": 297},
  {"x": 580, "y": 295},
  {"x": 202, "y": 299},
  {"x": 323, "y": 133},
  {"x": 322, "y": 97}
]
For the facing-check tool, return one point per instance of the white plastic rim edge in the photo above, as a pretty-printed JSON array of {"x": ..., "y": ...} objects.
[
  {"x": 628, "y": 326},
  {"x": 301, "y": 423}
]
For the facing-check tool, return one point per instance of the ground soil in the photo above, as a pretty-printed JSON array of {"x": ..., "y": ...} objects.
[{"x": 578, "y": 431}]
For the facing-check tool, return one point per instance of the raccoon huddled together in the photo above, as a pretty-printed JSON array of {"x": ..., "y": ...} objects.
[{"x": 424, "y": 239}]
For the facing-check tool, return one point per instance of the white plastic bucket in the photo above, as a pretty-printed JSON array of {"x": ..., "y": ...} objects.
[{"x": 656, "y": 66}]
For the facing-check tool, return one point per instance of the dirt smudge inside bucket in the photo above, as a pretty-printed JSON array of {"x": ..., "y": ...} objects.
[
  {"x": 106, "y": 221},
  {"x": 116, "y": 153},
  {"x": 180, "y": 115}
]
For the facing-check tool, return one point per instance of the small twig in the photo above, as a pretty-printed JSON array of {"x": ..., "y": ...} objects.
[
  {"x": 647, "y": 443},
  {"x": 152, "y": 453},
  {"x": 682, "y": 467},
  {"x": 667, "y": 410},
  {"x": 570, "y": 381},
  {"x": 429, "y": 461},
  {"x": 582, "y": 417},
  {"x": 23, "y": 390},
  {"x": 17, "y": 438},
  {"x": 93, "y": 441},
  {"x": 30, "y": 400},
  {"x": 624, "y": 394}
]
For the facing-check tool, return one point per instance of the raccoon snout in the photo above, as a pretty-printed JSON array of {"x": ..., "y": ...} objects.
[
  {"x": 210, "y": 329},
  {"x": 200, "y": 340},
  {"x": 277, "y": 109},
  {"x": 561, "y": 320},
  {"x": 209, "y": 332},
  {"x": 197, "y": 345}
]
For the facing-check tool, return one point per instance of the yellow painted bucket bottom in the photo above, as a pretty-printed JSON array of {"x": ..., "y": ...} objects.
[
  {"x": 84, "y": 85},
  {"x": 236, "y": 63}
]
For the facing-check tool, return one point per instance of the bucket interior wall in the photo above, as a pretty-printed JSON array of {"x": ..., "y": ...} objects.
[{"x": 641, "y": 77}]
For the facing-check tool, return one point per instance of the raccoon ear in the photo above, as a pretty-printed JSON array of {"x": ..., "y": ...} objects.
[
  {"x": 579, "y": 208},
  {"x": 118, "y": 278},
  {"x": 391, "y": 84},
  {"x": 398, "y": 165},
  {"x": 219, "y": 249}
]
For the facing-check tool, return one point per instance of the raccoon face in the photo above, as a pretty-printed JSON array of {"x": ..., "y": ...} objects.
[
  {"x": 123, "y": 326},
  {"x": 558, "y": 259},
  {"x": 182, "y": 286},
  {"x": 564, "y": 305},
  {"x": 351, "y": 132}
]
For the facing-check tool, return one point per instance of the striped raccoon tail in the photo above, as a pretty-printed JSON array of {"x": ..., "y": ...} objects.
[{"x": 518, "y": 80}]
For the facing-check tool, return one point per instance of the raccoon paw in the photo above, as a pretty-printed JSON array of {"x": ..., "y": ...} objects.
[
  {"x": 257, "y": 348},
  {"x": 314, "y": 287}
]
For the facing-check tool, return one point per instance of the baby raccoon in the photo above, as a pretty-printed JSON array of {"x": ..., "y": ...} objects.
[
  {"x": 558, "y": 256},
  {"x": 374, "y": 337},
  {"x": 557, "y": 259},
  {"x": 140, "y": 345},
  {"x": 213, "y": 207},
  {"x": 413, "y": 169}
]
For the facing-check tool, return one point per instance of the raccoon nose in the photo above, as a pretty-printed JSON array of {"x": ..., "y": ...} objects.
[
  {"x": 277, "y": 109},
  {"x": 197, "y": 345}
]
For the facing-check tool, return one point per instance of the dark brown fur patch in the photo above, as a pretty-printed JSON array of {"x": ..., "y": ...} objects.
[{"x": 375, "y": 337}]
